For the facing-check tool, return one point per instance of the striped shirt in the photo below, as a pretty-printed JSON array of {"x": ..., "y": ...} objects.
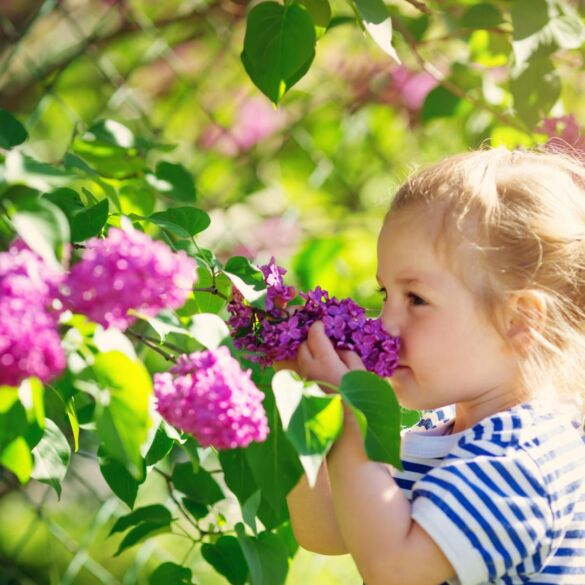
[{"x": 504, "y": 499}]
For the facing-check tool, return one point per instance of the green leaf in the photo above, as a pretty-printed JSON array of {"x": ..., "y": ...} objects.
[
  {"x": 543, "y": 26},
  {"x": 376, "y": 18},
  {"x": 320, "y": 11},
  {"x": 16, "y": 457},
  {"x": 12, "y": 132},
  {"x": 124, "y": 485},
  {"x": 23, "y": 170},
  {"x": 140, "y": 533},
  {"x": 481, "y": 16},
  {"x": 248, "y": 279},
  {"x": 250, "y": 509},
  {"x": 375, "y": 399},
  {"x": 110, "y": 132},
  {"x": 226, "y": 557},
  {"x": 197, "y": 510},
  {"x": 199, "y": 486},
  {"x": 174, "y": 181},
  {"x": 568, "y": 31},
  {"x": 13, "y": 416},
  {"x": 209, "y": 330},
  {"x": 266, "y": 555},
  {"x": 312, "y": 420},
  {"x": 154, "y": 514},
  {"x": 122, "y": 411},
  {"x": 440, "y": 103},
  {"x": 171, "y": 574},
  {"x": 279, "y": 42},
  {"x": 84, "y": 222},
  {"x": 160, "y": 446},
  {"x": 535, "y": 87},
  {"x": 51, "y": 456},
  {"x": 185, "y": 222},
  {"x": 275, "y": 467},
  {"x": 44, "y": 228},
  {"x": 164, "y": 323}
]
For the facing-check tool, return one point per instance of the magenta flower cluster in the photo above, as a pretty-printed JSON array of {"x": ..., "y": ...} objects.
[
  {"x": 127, "y": 270},
  {"x": 29, "y": 340},
  {"x": 208, "y": 395},
  {"x": 276, "y": 334}
]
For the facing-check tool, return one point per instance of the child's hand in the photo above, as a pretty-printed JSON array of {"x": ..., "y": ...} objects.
[{"x": 317, "y": 359}]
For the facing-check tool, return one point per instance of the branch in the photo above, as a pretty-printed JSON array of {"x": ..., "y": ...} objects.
[
  {"x": 420, "y": 6},
  {"x": 144, "y": 340},
  {"x": 449, "y": 85}
]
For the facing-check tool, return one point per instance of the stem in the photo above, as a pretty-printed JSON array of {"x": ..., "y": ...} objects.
[
  {"x": 166, "y": 344},
  {"x": 211, "y": 289},
  {"x": 420, "y": 6},
  {"x": 153, "y": 346},
  {"x": 327, "y": 385},
  {"x": 448, "y": 85}
]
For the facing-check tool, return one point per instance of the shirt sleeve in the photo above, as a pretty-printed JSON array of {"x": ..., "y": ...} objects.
[{"x": 490, "y": 515}]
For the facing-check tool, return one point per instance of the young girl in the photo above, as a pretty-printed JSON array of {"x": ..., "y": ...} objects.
[{"x": 481, "y": 261}]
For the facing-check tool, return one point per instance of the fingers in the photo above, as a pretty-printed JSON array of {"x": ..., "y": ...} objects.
[{"x": 351, "y": 359}]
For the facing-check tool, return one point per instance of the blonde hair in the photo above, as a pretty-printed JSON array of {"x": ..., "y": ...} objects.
[{"x": 523, "y": 212}]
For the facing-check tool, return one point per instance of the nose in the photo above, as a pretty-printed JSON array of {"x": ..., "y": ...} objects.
[{"x": 391, "y": 319}]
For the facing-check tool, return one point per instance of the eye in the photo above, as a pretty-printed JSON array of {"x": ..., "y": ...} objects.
[
  {"x": 382, "y": 291},
  {"x": 416, "y": 300}
]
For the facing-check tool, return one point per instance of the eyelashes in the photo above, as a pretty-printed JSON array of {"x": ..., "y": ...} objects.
[{"x": 415, "y": 299}]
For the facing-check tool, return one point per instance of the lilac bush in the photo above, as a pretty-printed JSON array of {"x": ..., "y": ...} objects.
[
  {"x": 208, "y": 395},
  {"x": 29, "y": 340},
  {"x": 276, "y": 334},
  {"x": 127, "y": 270}
]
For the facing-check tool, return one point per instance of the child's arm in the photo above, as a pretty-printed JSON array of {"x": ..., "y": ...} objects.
[
  {"x": 311, "y": 509},
  {"x": 373, "y": 515},
  {"x": 313, "y": 517}
]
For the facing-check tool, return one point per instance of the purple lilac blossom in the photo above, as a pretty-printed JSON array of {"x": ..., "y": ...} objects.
[
  {"x": 128, "y": 270},
  {"x": 208, "y": 395},
  {"x": 276, "y": 335},
  {"x": 29, "y": 339}
]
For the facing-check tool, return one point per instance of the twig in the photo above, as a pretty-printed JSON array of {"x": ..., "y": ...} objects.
[
  {"x": 420, "y": 6},
  {"x": 153, "y": 346},
  {"x": 166, "y": 344},
  {"x": 448, "y": 85},
  {"x": 211, "y": 289}
]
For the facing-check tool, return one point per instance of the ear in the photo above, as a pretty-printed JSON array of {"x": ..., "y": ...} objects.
[{"x": 526, "y": 315}]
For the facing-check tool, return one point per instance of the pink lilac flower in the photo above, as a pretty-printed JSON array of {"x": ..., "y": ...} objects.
[
  {"x": 276, "y": 334},
  {"x": 23, "y": 273},
  {"x": 29, "y": 340},
  {"x": 208, "y": 395},
  {"x": 564, "y": 135},
  {"x": 412, "y": 86},
  {"x": 128, "y": 270},
  {"x": 254, "y": 121}
]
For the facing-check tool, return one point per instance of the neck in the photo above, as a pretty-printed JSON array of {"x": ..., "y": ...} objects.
[{"x": 468, "y": 414}]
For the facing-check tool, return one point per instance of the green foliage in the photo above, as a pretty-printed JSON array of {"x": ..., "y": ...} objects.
[{"x": 347, "y": 135}]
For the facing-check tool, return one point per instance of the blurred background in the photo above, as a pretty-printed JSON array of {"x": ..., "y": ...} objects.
[{"x": 308, "y": 182}]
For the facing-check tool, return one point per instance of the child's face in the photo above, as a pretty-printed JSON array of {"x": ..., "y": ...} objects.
[{"x": 450, "y": 352}]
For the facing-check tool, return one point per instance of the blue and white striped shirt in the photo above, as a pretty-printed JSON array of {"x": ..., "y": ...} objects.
[{"x": 504, "y": 499}]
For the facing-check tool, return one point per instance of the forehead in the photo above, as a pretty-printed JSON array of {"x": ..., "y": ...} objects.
[{"x": 413, "y": 245}]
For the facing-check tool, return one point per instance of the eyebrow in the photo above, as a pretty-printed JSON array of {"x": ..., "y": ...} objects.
[{"x": 426, "y": 279}]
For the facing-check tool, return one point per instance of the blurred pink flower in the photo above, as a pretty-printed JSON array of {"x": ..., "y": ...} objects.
[
  {"x": 412, "y": 87},
  {"x": 275, "y": 236},
  {"x": 564, "y": 135},
  {"x": 254, "y": 121}
]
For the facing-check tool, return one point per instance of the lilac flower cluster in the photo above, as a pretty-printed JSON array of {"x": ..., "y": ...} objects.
[
  {"x": 208, "y": 395},
  {"x": 127, "y": 270},
  {"x": 276, "y": 334},
  {"x": 29, "y": 340}
]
